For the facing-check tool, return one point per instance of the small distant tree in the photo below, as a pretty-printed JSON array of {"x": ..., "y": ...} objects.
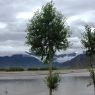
[
  {"x": 46, "y": 33},
  {"x": 88, "y": 42}
]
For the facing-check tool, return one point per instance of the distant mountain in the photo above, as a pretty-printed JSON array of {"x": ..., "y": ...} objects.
[
  {"x": 20, "y": 60},
  {"x": 80, "y": 61}
]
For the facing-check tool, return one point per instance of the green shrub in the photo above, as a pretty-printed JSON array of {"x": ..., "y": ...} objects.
[
  {"x": 53, "y": 81},
  {"x": 35, "y": 69}
]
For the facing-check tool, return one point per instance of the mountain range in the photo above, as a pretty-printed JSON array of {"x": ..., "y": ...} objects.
[{"x": 27, "y": 61}]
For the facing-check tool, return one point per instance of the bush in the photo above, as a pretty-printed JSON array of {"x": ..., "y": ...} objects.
[{"x": 15, "y": 69}]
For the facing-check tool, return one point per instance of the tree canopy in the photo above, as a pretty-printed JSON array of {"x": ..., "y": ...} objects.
[
  {"x": 88, "y": 40},
  {"x": 47, "y": 32}
]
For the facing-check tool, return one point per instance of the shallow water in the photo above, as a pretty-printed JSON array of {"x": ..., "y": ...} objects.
[{"x": 35, "y": 85}]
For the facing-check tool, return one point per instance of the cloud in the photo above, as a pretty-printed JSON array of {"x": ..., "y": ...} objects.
[
  {"x": 24, "y": 15},
  {"x": 82, "y": 19},
  {"x": 9, "y": 50},
  {"x": 3, "y": 25},
  {"x": 75, "y": 42},
  {"x": 15, "y": 14},
  {"x": 14, "y": 36}
]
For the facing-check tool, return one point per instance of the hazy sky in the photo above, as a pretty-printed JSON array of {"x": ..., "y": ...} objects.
[{"x": 15, "y": 14}]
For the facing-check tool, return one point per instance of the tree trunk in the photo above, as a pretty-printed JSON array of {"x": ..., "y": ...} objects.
[
  {"x": 50, "y": 74},
  {"x": 50, "y": 71},
  {"x": 50, "y": 91},
  {"x": 94, "y": 89},
  {"x": 92, "y": 72}
]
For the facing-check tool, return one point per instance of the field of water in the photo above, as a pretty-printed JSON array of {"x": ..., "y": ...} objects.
[{"x": 71, "y": 84}]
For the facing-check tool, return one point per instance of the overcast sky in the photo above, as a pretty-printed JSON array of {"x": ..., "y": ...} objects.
[{"x": 15, "y": 14}]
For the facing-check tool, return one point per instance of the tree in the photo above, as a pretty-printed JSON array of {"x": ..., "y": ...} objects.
[
  {"x": 47, "y": 33},
  {"x": 88, "y": 42}
]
